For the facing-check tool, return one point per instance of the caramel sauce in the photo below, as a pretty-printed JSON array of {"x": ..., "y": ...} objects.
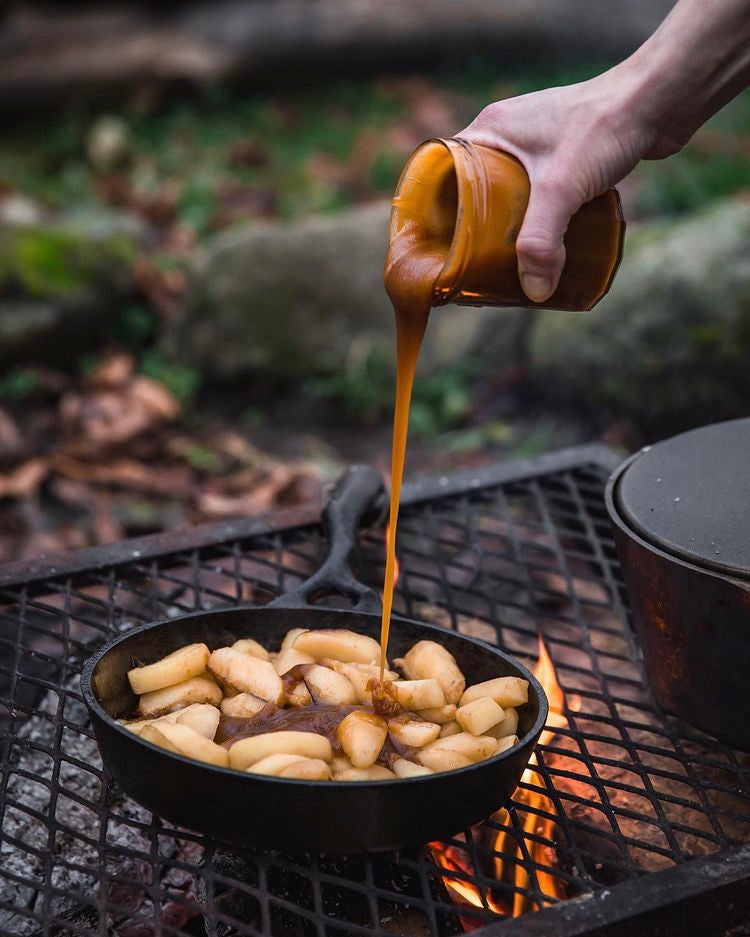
[
  {"x": 384, "y": 700},
  {"x": 416, "y": 255},
  {"x": 313, "y": 718},
  {"x": 411, "y": 322},
  {"x": 323, "y": 720}
]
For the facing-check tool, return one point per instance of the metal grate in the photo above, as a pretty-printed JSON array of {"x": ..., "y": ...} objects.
[{"x": 502, "y": 555}]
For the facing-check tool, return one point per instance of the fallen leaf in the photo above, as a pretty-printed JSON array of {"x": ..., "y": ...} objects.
[
  {"x": 236, "y": 447},
  {"x": 240, "y": 482},
  {"x": 282, "y": 486},
  {"x": 112, "y": 371},
  {"x": 10, "y": 435},
  {"x": 72, "y": 493},
  {"x": 154, "y": 397},
  {"x": 102, "y": 417},
  {"x": 261, "y": 498},
  {"x": 25, "y": 480},
  {"x": 174, "y": 480}
]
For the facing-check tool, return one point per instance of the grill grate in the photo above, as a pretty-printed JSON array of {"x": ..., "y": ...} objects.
[{"x": 503, "y": 555}]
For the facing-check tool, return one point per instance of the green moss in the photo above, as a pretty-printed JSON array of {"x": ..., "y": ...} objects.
[
  {"x": 42, "y": 262},
  {"x": 182, "y": 381}
]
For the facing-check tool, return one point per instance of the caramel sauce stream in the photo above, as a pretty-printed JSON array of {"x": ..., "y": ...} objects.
[{"x": 410, "y": 272}]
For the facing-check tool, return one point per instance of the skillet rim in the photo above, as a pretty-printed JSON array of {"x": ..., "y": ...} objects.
[{"x": 95, "y": 706}]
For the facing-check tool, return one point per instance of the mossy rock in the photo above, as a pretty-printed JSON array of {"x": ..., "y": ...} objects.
[
  {"x": 58, "y": 282},
  {"x": 47, "y": 262},
  {"x": 668, "y": 347}
]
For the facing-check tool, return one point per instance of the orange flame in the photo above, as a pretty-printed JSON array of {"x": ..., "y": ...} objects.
[
  {"x": 461, "y": 892},
  {"x": 535, "y": 827}
]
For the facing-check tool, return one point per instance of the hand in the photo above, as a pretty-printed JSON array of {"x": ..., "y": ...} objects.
[{"x": 575, "y": 142}]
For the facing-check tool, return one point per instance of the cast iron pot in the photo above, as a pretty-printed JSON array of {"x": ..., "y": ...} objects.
[
  {"x": 317, "y": 816},
  {"x": 681, "y": 516}
]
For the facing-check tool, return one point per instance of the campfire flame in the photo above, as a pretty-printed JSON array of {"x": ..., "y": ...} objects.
[{"x": 509, "y": 864}]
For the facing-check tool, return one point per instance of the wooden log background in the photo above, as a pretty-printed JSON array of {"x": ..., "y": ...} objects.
[{"x": 50, "y": 52}]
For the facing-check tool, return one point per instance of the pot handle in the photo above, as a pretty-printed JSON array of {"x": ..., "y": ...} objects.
[{"x": 360, "y": 490}]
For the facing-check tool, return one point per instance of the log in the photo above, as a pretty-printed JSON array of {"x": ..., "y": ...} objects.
[{"x": 54, "y": 52}]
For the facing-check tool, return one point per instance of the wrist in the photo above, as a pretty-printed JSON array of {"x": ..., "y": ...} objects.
[
  {"x": 661, "y": 97},
  {"x": 627, "y": 104},
  {"x": 695, "y": 62}
]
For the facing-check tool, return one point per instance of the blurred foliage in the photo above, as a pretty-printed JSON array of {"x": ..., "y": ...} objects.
[
  {"x": 691, "y": 181},
  {"x": 715, "y": 164},
  {"x": 259, "y": 141},
  {"x": 134, "y": 326},
  {"x": 440, "y": 401},
  {"x": 180, "y": 380},
  {"x": 18, "y": 384},
  {"x": 223, "y": 156},
  {"x": 364, "y": 390}
]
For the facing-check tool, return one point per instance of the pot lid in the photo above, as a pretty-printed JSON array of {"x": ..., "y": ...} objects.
[{"x": 690, "y": 496}]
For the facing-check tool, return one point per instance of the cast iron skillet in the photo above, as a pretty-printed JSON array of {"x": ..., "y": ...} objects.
[{"x": 317, "y": 816}]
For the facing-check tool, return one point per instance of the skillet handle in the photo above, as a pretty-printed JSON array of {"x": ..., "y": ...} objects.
[{"x": 359, "y": 490}]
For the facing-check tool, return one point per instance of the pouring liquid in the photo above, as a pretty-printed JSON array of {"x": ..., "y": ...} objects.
[{"x": 410, "y": 272}]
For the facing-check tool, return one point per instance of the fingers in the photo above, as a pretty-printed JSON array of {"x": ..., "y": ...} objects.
[
  {"x": 534, "y": 129},
  {"x": 539, "y": 247}
]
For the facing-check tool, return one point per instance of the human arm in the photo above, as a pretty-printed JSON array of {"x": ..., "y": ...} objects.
[{"x": 577, "y": 141}]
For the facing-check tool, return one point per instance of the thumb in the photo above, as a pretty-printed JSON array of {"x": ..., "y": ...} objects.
[{"x": 539, "y": 246}]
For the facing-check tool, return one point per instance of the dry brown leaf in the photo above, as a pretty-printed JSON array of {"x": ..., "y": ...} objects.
[
  {"x": 25, "y": 480},
  {"x": 70, "y": 492},
  {"x": 112, "y": 371},
  {"x": 240, "y": 449},
  {"x": 285, "y": 484},
  {"x": 173, "y": 480},
  {"x": 10, "y": 435},
  {"x": 154, "y": 397},
  {"x": 106, "y": 416},
  {"x": 261, "y": 498}
]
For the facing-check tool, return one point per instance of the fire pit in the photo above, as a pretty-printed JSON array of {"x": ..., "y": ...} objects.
[{"x": 625, "y": 821}]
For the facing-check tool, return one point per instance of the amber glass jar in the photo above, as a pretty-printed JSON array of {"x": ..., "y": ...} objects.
[{"x": 466, "y": 203}]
